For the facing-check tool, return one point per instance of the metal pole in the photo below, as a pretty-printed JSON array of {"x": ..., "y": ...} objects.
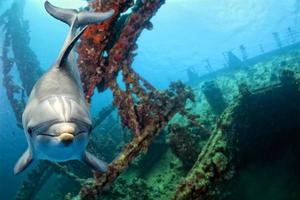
[
  {"x": 291, "y": 34},
  {"x": 208, "y": 65},
  {"x": 277, "y": 39},
  {"x": 244, "y": 52}
]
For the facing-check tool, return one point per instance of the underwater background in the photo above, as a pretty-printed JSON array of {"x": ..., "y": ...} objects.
[{"x": 192, "y": 41}]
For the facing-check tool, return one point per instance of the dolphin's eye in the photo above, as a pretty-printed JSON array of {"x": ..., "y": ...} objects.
[
  {"x": 90, "y": 129},
  {"x": 29, "y": 130}
]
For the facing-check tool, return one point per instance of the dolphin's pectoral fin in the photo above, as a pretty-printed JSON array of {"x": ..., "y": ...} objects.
[
  {"x": 93, "y": 162},
  {"x": 23, "y": 162}
]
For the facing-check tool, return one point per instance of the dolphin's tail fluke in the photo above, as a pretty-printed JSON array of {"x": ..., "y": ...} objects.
[
  {"x": 75, "y": 20},
  {"x": 83, "y": 18}
]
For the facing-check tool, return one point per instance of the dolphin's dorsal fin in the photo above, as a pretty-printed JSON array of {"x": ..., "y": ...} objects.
[
  {"x": 62, "y": 58},
  {"x": 84, "y": 17}
]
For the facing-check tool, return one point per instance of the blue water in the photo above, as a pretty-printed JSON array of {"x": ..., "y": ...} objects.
[{"x": 185, "y": 34}]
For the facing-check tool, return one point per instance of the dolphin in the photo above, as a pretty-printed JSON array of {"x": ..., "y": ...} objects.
[{"x": 56, "y": 119}]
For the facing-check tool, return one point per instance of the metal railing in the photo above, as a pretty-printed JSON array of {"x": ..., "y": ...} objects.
[{"x": 245, "y": 52}]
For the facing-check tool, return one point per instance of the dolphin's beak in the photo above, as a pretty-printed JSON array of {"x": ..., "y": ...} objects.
[{"x": 66, "y": 138}]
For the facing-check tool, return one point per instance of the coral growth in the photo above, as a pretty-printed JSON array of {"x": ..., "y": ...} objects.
[{"x": 108, "y": 49}]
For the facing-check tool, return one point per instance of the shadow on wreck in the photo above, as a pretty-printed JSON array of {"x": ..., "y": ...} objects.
[{"x": 266, "y": 125}]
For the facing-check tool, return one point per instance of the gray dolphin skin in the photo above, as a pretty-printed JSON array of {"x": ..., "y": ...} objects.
[{"x": 56, "y": 120}]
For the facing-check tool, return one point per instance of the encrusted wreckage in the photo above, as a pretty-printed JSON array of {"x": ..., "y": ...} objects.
[
  {"x": 107, "y": 51},
  {"x": 241, "y": 140}
]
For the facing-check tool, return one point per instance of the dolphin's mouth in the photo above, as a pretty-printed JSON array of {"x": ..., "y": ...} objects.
[{"x": 49, "y": 135}]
